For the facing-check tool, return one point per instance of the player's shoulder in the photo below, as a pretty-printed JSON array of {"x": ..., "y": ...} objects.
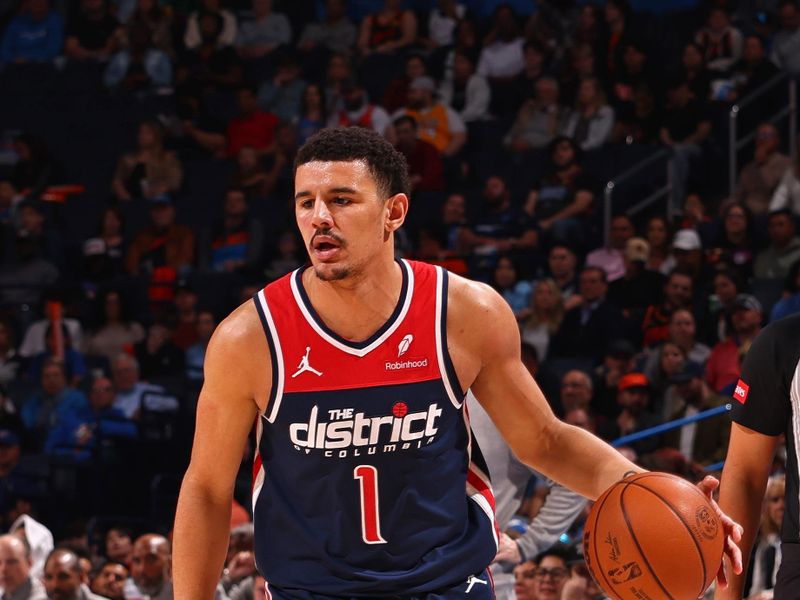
[
  {"x": 240, "y": 332},
  {"x": 468, "y": 296},
  {"x": 480, "y": 316}
]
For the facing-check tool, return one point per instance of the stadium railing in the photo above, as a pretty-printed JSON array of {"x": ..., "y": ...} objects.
[{"x": 669, "y": 425}]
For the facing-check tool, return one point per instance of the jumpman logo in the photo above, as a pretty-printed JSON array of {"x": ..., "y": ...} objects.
[
  {"x": 472, "y": 581},
  {"x": 304, "y": 366}
]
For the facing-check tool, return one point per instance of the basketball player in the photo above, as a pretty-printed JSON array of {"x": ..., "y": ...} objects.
[
  {"x": 367, "y": 481},
  {"x": 767, "y": 404}
]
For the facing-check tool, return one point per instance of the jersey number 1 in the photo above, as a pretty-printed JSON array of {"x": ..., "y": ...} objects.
[{"x": 367, "y": 477}]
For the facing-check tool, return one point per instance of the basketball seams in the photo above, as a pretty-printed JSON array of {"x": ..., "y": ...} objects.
[
  {"x": 681, "y": 519},
  {"x": 596, "y": 553},
  {"x": 632, "y": 533}
]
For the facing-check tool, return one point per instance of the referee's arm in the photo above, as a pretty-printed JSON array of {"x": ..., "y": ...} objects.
[{"x": 744, "y": 480}]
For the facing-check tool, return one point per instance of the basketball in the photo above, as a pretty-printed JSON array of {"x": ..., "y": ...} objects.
[{"x": 653, "y": 535}]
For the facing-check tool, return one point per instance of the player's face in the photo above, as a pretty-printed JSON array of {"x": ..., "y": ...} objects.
[{"x": 344, "y": 221}]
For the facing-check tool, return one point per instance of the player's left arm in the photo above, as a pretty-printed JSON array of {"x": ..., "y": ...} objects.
[
  {"x": 481, "y": 328},
  {"x": 484, "y": 329}
]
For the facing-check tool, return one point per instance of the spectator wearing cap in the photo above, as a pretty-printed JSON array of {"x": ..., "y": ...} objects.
[
  {"x": 150, "y": 169},
  {"x": 612, "y": 258},
  {"x": 633, "y": 402},
  {"x": 425, "y": 169},
  {"x": 687, "y": 248},
  {"x": 54, "y": 399},
  {"x": 35, "y": 34},
  {"x": 163, "y": 244},
  {"x": 538, "y": 120},
  {"x": 80, "y": 433},
  {"x": 16, "y": 579},
  {"x": 587, "y": 330},
  {"x": 774, "y": 261},
  {"x": 724, "y": 364},
  {"x": 705, "y": 441},
  {"x": 639, "y": 287},
  {"x": 466, "y": 92},
  {"x": 357, "y": 111},
  {"x": 678, "y": 290},
  {"x": 759, "y": 178},
  {"x": 438, "y": 124}
]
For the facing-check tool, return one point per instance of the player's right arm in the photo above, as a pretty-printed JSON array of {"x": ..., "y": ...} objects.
[
  {"x": 744, "y": 479},
  {"x": 237, "y": 377}
]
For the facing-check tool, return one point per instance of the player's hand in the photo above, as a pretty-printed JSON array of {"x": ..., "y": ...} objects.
[
  {"x": 733, "y": 532},
  {"x": 508, "y": 551}
]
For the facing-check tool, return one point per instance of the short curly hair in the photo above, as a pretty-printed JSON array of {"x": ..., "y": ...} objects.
[{"x": 344, "y": 144}]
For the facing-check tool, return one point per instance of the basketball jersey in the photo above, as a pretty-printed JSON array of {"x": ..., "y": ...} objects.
[{"x": 367, "y": 480}]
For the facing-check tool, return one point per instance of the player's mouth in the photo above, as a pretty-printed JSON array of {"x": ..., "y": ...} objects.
[{"x": 325, "y": 247}]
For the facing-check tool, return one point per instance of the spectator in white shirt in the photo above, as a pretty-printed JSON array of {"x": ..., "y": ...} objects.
[
  {"x": 467, "y": 92},
  {"x": 502, "y": 57},
  {"x": 442, "y": 23}
]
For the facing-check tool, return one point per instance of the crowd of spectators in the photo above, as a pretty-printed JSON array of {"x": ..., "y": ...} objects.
[{"x": 512, "y": 117}]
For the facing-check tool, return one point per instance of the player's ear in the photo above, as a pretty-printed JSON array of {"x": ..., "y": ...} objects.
[{"x": 396, "y": 211}]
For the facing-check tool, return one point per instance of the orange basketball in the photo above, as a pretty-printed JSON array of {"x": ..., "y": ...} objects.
[{"x": 653, "y": 535}]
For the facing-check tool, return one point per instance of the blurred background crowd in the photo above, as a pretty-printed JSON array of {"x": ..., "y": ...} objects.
[{"x": 146, "y": 176}]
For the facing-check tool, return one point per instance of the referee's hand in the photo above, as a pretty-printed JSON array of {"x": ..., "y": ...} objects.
[{"x": 733, "y": 532}]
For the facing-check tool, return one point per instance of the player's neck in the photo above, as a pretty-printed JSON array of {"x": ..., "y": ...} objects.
[{"x": 357, "y": 306}]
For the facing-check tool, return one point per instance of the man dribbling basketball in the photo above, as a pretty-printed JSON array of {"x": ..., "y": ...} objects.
[{"x": 367, "y": 480}]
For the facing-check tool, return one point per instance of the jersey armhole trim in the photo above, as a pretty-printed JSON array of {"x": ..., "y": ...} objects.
[
  {"x": 449, "y": 378},
  {"x": 275, "y": 354}
]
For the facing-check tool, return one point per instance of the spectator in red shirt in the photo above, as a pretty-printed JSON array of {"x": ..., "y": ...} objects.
[
  {"x": 253, "y": 127},
  {"x": 724, "y": 365},
  {"x": 425, "y": 169}
]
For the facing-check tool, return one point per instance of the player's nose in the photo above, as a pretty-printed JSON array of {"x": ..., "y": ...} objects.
[{"x": 322, "y": 217}]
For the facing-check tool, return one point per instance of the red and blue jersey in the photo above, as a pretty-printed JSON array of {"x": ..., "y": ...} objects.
[{"x": 367, "y": 479}]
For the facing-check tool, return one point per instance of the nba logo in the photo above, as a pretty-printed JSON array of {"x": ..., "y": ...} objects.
[{"x": 740, "y": 393}]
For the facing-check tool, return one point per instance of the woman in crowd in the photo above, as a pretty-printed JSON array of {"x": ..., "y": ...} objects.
[
  {"x": 150, "y": 170},
  {"x": 658, "y": 234},
  {"x": 114, "y": 332},
  {"x": 727, "y": 284},
  {"x": 545, "y": 315},
  {"x": 388, "y": 30},
  {"x": 516, "y": 292},
  {"x": 313, "y": 115},
  {"x": 735, "y": 243}
]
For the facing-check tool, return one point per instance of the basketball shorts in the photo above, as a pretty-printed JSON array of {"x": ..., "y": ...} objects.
[{"x": 476, "y": 587}]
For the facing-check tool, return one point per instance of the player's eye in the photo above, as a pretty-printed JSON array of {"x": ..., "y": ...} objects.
[{"x": 341, "y": 201}]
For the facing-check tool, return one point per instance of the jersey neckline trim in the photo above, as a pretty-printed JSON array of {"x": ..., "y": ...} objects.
[{"x": 376, "y": 339}]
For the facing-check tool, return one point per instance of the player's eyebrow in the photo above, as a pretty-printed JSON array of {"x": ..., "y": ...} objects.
[{"x": 336, "y": 190}]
